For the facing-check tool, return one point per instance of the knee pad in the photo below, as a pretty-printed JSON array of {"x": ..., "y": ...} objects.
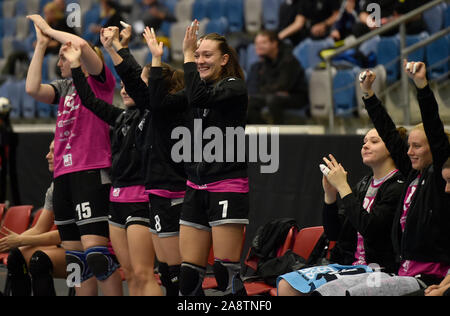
[
  {"x": 16, "y": 263},
  {"x": 40, "y": 264},
  {"x": 101, "y": 262},
  {"x": 224, "y": 272},
  {"x": 79, "y": 259},
  {"x": 191, "y": 279}
]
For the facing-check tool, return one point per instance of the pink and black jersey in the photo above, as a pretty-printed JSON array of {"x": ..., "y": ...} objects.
[{"x": 82, "y": 140}]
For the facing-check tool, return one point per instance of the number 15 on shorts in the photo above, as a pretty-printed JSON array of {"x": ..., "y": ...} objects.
[
  {"x": 83, "y": 210},
  {"x": 224, "y": 208}
]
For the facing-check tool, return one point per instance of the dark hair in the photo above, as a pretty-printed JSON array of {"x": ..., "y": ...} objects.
[
  {"x": 173, "y": 78},
  {"x": 403, "y": 132},
  {"x": 446, "y": 164},
  {"x": 232, "y": 68},
  {"x": 272, "y": 35}
]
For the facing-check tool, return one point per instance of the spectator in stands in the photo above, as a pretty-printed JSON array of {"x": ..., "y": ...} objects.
[
  {"x": 390, "y": 10},
  {"x": 423, "y": 213},
  {"x": 277, "y": 81},
  {"x": 313, "y": 18},
  {"x": 151, "y": 13},
  {"x": 363, "y": 225},
  {"x": 81, "y": 181},
  {"x": 348, "y": 16},
  {"x": 55, "y": 17},
  {"x": 36, "y": 252},
  {"x": 109, "y": 16}
]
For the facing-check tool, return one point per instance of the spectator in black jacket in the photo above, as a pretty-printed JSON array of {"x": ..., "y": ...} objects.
[
  {"x": 313, "y": 18},
  {"x": 129, "y": 210},
  {"x": 362, "y": 227},
  {"x": 421, "y": 230},
  {"x": 277, "y": 81}
]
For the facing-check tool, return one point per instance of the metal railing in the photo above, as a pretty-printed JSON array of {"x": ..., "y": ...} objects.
[{"x": 404, "y": 51}]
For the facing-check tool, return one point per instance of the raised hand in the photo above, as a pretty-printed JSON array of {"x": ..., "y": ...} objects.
[
  {"x": 157, "y": 49},
  {"x": 366, "y": 80},
  {"x": 108, "y": 36},
  {"x": 190, "y": 40},
  {"x": 417, "y": 71},
  {"x": 40, "y": 23},
  {"x": 72, "y": 54},
  {"x": 337, "y": 176},
  {"x": 125, "y": 34}
]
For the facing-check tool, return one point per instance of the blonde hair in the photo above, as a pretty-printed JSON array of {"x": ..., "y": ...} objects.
[{"x": 420, "y": 127}]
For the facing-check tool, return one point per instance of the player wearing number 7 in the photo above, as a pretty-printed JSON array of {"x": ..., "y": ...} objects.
[
  {"x": 216, "y": 204},
  {"x": 421, "y": 230}
]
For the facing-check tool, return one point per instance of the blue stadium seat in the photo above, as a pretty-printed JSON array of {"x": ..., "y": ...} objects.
[
  {"x": 219, "y": 26},
  {"x": 251, "y": 57},
  {"x": 199, "y": 9},
  {"x": 235, "y": 15},
  {"x": 270, "y": 14},
  {"x": 307, "y": 52},
  {"x": 11, "y": 90},
  {"x": 215, "y": 9},
  {"x": 388, "y": 54},
  {"x": 437, "y": 54},
  {"x": 91, "y": 17},
  {"x": 9, "y": 27},
  {"x": 28, "y": 103},
  {"x": 44, "y": 110},
  {"x": 21, "y": 8},
  {"x": 419, "y": 54},
  {"x": 344, "y": 93},
  {"x": 434, "y": 18},
  {"x": 447, "y": 17},
  {"x": 170, "y": 4},
  {"x": 165, "y": 28}
]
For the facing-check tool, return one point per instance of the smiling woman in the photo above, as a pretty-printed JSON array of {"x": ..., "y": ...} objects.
[
  {"x": 424, "y": 211},
  {"x": 217, "y": 94}
]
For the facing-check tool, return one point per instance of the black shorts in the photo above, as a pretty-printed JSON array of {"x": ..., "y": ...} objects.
[
  {"x": 203, "y": 209},
  {"x": 81, "y": 204},
  {"x": 123, "y": 215},
  {"x": 165, "y": 215}
]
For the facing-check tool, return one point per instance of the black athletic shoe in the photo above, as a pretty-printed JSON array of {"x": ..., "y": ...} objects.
[{"x": 238, "y": 288}]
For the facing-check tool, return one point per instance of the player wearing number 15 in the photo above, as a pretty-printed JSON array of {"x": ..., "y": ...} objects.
[
  {"x": 82, "y": 158},
  {"x": 129, "y": 211}
]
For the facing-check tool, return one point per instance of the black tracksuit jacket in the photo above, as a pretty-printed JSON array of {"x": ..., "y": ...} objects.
[
  {"x": 375, "y": 227},
  {"x": 162, "y": 112},
  {"x": 426, "y": 237},
  {"x": 218, "y": 105}
]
